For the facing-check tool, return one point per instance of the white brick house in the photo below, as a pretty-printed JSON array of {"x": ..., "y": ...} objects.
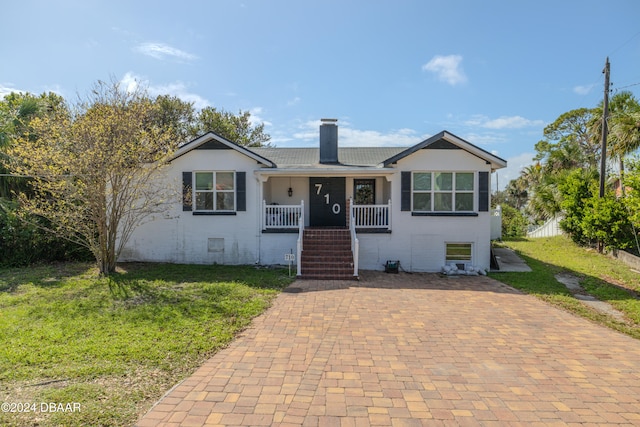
[{"x": 424, "y": 205}]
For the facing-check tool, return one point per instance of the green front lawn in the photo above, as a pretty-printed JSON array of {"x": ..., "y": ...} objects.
[
  {"x": 115, "y": 345},
  {"x": 605, "y": 278}
]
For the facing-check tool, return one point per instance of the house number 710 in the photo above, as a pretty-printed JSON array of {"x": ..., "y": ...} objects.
[{"x": 336, "y": 206}]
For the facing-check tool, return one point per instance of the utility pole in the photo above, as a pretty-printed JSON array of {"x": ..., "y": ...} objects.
[
  {"x": 605, "y": 116},
  {"x": 603, "y": 154}
]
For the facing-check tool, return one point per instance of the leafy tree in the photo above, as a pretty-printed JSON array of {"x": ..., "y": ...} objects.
[
  {"x": 624, "y": 128},
  {"x": 175, "y": 116},
  {"x": 577, "y": 189},
  {"x": 235, "y": 128},
  {"x": 514, "y": 223},
  {"x": 632, "y": 198},
  {"x": 575, "y": 144},
  {"x": 182, "y": 119},
  {"x": 96, "y": 171},
  {"x": 606, "y": 220},
  {"x": 570, "y": 144},
  {"x": 516, "y": 192},
  {"x": 589, "y": 217},
  {"x": 17, "y": 110}
]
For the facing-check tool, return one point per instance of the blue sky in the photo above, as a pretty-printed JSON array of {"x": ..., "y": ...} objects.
[{"x": 392, "y": 72}]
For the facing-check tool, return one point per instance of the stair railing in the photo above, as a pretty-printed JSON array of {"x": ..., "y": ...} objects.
[
  {"x": 355, "y": 244},
  {"x": 300, "y": 242}
]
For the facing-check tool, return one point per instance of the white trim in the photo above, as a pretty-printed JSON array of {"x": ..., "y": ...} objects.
[
  {"x": 365, "y": 172},
  {"x": 475, "y": 191},
  {"x": 214, "y": 191},
  {"x": 496, "y": 162},
  {"x": 210, "y": 136}
]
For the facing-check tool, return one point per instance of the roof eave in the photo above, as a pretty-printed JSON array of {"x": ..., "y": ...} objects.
[
  {"x": 495, "y": 161},
  {"x": 209, "y": 136}
]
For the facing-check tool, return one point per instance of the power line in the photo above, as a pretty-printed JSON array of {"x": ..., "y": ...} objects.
[
  {"x": 624, "y": 87},
  {"x": 625, "y": 43}
]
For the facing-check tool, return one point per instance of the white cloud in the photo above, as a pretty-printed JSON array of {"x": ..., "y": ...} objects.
[
  {"x": 163, "y": 51},
  {"x": 294, "y": 101},
  {"x": 583, "y": 90},
  {"x": 515, "y": 165},
  {"x": 256, "y": 118},
  {"x": 130, "y": 82},
  {"x": 513, "y": 122},
  {"x": 447, "y": 69},
  {"x": 308, "y": 134},
  {"x": 7, "y": 89},
  {"x": 503, "y": 122},
  {"x": 484, "y": 139},
  {"x": 178, "y": 89}
]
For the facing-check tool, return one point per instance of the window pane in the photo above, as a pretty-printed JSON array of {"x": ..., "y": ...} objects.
[
  {"x": 464, "y": 201},
  {"x": 443, "y": 181},
  {"x": 204, "y": 181},
  {"x": 224, "y": 181},
  {"x": 464, "y": 181},
  {"x": 458, "y": 252},
  {"x": 364, "y": 192},
  {"x": 421, "y": 201},
  {"x": 422, "y": 181},
  {"x": 204, "y": 201},
  {"x": 224, "y": 201},
  {"x": 442, "y": 202}
]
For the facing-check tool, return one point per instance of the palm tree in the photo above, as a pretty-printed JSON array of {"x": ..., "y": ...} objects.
[{"x": 623, "y": 126}]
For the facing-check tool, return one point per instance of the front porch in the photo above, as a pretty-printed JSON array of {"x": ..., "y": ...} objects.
[
  {"x": 286, "y": 218},
  {"x": 325, "y": 211},
  {"x": 326, "y": 252}
]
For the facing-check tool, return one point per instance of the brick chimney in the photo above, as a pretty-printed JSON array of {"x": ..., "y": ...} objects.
[{"x": 329, "y": 141}]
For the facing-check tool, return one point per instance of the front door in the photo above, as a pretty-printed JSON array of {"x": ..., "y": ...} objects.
[{"x": 327, "y": 199}]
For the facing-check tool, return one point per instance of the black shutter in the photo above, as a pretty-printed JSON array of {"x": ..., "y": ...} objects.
[
  {"x": 187, "y": 191},
  {"x": 405, "y": 190},
  {"x": 241, "y": 191},
  {"x": 483, "y": 191}
]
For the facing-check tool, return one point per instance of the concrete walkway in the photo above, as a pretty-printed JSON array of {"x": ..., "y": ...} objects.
[
  {"x": 509, "y": 261},
  {"x": 410, "y": 350}
]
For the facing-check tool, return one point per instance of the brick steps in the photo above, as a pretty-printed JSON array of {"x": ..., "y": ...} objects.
[{"x": 326, "y": 254}]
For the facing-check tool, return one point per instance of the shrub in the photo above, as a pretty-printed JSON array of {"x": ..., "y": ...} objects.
[{"x": 24, "y": 243}]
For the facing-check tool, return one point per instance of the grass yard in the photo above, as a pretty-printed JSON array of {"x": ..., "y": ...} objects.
[
  {"x": 113, "y": 346},
  {"x": 605, "y": 278}
]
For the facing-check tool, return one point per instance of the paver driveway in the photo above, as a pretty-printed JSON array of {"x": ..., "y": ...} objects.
[{"x": 406, "y": 350}]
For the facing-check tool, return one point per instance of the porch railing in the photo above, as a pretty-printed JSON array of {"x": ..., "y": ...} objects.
[
  {"x": 281, "y": 216},
  {"x": 372, "y": 216}
]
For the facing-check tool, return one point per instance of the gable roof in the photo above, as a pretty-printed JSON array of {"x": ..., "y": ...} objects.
[
  {"x": 214, "y": 141},
  {"x": 444, "y": 140},
  {"x": 349, "y": 157}
]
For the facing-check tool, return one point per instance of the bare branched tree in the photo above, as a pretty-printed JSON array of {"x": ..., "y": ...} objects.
[{"x": 96, "y": 170}]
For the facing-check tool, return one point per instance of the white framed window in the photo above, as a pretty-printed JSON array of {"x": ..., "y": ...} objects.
[
  {"x": 443, "y": 191},
  {"x": 458, "y": 253},
  {"x": 215, "y": 191}
]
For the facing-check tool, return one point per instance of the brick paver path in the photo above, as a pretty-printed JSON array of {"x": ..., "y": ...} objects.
[{"x": 408, "y": 350}]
